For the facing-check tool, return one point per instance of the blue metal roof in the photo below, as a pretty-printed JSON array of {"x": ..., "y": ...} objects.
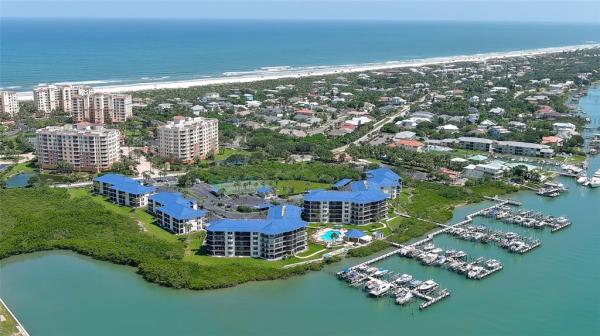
[
  {"x": 171, "y": 197},
  {"x": 385, "y": 177},
  {"x": 264, "y": 190},
  {"x": 355, "y": 234},
  {"x": 177, "y": 206},
  {"x": 341, "y": 183},
  {"x": 366, "y": 196},
  {"x": 126, "y": 184},
  {"x": 280, "y": 219},
  {"x": 363, "y": 185},
  {"x": 181, "y": 212}
]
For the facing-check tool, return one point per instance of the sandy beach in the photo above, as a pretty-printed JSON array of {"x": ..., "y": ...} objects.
[{"x": 286, "y": 72}]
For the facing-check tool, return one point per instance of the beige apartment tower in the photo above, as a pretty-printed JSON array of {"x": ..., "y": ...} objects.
[
  {"x": 188, "y": 139},
  {"x": 9, "y": 103},
  {"x": 85, "y": 146}
]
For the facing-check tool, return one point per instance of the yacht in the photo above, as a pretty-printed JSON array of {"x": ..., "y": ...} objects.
[
  {"x": 380, "y": 272},
  {"x": 404, "y": 278},
  {"x": 428, "y": 247},
  {"x": 475, "y": 272},
  {"x": 380, "y": 289},
  {"x": 403, "y": 296},
  {"x": 429, "y": 259},
  {"x": 440, "y": 260},
  {"x": 493, "y": 263},
  {"x": 459, "y": 255},
  {"x": 427, "y": 286},
  {"x": 369, "y": 285}
]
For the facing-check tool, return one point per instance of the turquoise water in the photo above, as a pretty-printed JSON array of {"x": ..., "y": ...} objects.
[
  {"x": 119, "y": 51},
  {"x": 19, "y": 180},
  {"x": 329, "y": 235},
  {"x": 553, "y": 290}
]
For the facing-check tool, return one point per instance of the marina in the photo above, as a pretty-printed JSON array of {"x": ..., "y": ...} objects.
[
  {"x": 403, "y": 288},
  {"x": 428, "y": 254}
]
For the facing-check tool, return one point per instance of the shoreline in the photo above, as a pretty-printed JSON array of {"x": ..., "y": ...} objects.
[{"x": 277, "y": 73}]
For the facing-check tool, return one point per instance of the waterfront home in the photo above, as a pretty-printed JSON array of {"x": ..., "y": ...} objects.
[
  {"x": 552, "y": 140},
  {"x": 122, "y": 190},
  {"x": 281, "y": 234},
  {"x": 564, "y": 130},
  {"x": 176, "y": 213}
]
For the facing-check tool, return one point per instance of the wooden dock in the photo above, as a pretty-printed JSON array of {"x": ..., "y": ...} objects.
[{"x": 430, "y": 300}]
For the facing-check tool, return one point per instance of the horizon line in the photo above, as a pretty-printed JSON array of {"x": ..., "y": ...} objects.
[{"x": 293, "y": 19}]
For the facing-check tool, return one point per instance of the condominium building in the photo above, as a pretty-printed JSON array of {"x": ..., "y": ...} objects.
[
  {"x": 176, "y": 213},
  {"x": 281, "y": 234},
  {"x": 122, "y": 190},
  {"x": 86, "y": 147},
  {"x": 505, "y": 147},
  {"x": 100, "y": 108},
  {"x": 9, "y": 103},
  {"x": 472, "y": 143},
  {"x": 523, "y": 149},
  {"x": 51, "y": 98},
  {"x": 188, "y": 139},
  {"x": 359, "y": 205}
]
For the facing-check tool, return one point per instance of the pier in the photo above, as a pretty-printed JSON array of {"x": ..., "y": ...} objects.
[{"x": 431, "y": 300}]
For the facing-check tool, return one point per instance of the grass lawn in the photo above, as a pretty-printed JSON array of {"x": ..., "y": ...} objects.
[
  {"x": 25, "y": 167},
  {"x": 291, "y": 187},
  {"x": 227, "y": 152},
  {"x": 139, "y": 215},
  {"x": 9, "y": 326}
]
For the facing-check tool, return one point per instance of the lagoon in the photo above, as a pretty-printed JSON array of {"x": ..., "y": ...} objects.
[{"x": 552, "y": 290}]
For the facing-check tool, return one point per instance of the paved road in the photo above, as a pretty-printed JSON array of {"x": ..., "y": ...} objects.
[{"x": 378, "y": 125}]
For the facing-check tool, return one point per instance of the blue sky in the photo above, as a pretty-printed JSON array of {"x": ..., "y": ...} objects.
[{"x": 401, "y": 10}]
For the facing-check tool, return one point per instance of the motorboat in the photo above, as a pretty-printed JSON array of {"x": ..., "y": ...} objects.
[
  {"x": 429, "y": 259},
  {"x": 511, "y": 235},
  {"x": 493, "y": 263},
  {"x": 459, "y": 255},
  {"x": 403, "y": 296},
  {"x": 428, "y": 247},
  {"x": 380, "y": 272},
  {"x": 427, "y": 286},
  {"x": 404, "y": 278},
  {"x": 475, "y": 272},
  {"x": 440, "y": 260},
  {"x": 380, "y": 289}
]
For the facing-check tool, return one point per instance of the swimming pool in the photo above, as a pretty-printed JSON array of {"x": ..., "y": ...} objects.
[{"x": 331, "y": 235}]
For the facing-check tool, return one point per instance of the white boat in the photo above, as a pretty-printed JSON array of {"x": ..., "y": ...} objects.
[
  {"x": 380, "y": 289},
  {"x": 440, "y": 260},
  {"x": 459, "y": 254},
  {"x": 427, "y": 286},
  {"x": 404, "y": 278},
  {"x": 594, "y": 182},
  {"x": 493, "y": 263},
  {"x": 380, "y": 272},
  {"x": 403, "y": 296},
  {"x": 429, "y": 259},
  {"x": 475, "y": 272},
  {"x": 428, "y": 247}
]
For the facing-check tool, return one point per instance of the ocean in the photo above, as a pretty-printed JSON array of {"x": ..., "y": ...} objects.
[{"x": 118, "y": 51}]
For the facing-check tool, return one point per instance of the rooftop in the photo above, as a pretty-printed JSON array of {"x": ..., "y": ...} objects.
[
  {"x": 280, "y": 219},
  {"x": 126, "y": 184}
]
